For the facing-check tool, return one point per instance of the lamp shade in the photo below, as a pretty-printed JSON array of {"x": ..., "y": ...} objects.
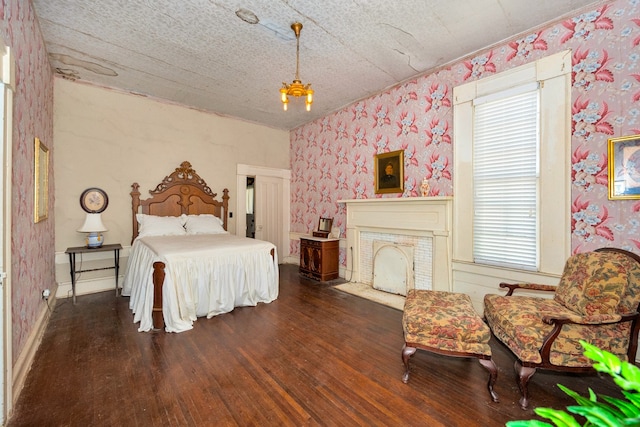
[{"x": 92, "y": 224}]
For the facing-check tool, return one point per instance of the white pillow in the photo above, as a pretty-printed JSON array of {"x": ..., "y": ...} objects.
[
  {"x": 151, "y": 225},
  {"x": 203, "y": 224}
]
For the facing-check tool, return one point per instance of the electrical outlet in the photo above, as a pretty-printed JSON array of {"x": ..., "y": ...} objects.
[{"x": 45, "y": 294}]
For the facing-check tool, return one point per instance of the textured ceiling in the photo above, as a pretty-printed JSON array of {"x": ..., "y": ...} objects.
[{"x": 201, "y": 54}]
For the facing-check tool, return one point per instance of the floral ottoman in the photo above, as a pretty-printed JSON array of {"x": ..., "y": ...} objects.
[{"x": 446, "y": 323}]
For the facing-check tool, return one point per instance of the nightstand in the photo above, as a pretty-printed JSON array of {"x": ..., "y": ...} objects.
[{"x": 83, "y": 249}]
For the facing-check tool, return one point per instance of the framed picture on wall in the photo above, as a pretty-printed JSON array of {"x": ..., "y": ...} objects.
[
  {"x": 41, "y": 181},
  {"x": 389, "y": 172},
  {"x": 624, "y": 167}
]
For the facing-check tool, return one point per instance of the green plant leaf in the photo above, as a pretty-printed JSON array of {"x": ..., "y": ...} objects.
[
  {"x": 631, "y": 422},
  {"x": 559, "y": 418},
  {"x": 528, "y": 423},
  {"x": 592, "y": 352},
  {"x": 593, "y": 402},
  {"x": 609, "y": 411},
  {"x": 625, "y": 384},
  {"x": 631, "y": 375},
  {"x": 580, "y": 400},
  {"x": 607, "y": 362},
  {"x": 596, "y": 415},
  {"x": 626, "y": 408},
  {"x": 631, "y": 372},
  {"x": 632, "y": 397}
]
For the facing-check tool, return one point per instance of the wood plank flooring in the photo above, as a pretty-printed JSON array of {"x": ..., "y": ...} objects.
[{"x": 315, "y": 356}]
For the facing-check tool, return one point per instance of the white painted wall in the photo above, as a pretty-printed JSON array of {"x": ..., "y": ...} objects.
[{"x": 109, "y": 139}]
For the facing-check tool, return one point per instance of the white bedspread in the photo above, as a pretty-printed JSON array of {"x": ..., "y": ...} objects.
[{"x": 205, "y": 275}]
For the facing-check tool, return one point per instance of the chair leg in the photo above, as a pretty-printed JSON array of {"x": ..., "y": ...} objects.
[
  {"x": 490, "y": 366},
  {"x": 407, "y": 352},
  {"x": 524, "y": 375}
]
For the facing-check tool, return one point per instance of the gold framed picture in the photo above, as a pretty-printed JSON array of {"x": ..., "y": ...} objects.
[
  {"x": 41, "y": 181},
  {"x": 624, "y": 167},
  {"x": 389, "y": 172}
]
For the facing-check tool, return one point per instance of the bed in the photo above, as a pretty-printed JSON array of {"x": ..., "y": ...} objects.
[{"x": 184, "y": 264}]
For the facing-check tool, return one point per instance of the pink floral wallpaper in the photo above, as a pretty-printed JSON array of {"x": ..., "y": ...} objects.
[
  {"x": 332, "y": 158},
  {"x": 32, "y": 245}
]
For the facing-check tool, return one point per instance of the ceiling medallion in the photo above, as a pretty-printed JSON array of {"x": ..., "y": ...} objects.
[{"x": 296, "y": 88}]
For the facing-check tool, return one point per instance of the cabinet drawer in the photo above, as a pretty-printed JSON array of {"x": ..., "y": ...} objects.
[{"x": 310, "y": 243}]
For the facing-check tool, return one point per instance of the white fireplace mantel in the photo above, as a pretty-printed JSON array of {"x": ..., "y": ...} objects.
[{"x": 416, "y": 216}]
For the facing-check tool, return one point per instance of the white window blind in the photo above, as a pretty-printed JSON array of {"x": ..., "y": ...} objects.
[{"x": 506, "y": 179}]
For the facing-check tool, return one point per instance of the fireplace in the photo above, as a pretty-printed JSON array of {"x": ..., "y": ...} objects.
[
  {"x": 393, "y": 267},
  {"x": 422, "y": 223}
]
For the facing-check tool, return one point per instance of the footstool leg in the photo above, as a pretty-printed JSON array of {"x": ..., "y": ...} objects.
[
  {"x": 490, "y": 366},
  {"x": 407, "y": 352}
]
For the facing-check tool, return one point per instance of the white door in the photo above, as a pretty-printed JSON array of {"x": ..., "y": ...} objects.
[{"x": 268, "y": 210}]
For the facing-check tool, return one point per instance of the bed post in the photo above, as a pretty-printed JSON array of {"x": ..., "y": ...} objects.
[
  {"x": 158, "y": 280},
  {"x": 135, "y": 204},
  {"x": 225, "y": 206}
]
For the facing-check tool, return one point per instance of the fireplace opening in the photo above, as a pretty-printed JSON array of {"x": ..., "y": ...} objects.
[{"x": 393, "y": 267}]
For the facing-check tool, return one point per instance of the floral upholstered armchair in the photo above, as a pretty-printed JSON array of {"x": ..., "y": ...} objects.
[{"x": 597, "y": 300}]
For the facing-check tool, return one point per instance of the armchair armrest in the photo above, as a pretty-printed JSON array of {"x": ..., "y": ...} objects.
[
  {"x": 528, "y": 286},
  {"x": 595, "y": 319}
]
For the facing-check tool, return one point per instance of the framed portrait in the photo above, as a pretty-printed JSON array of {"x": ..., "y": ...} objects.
[
  {"x": 624, "y": 167},
  {"x": 41, "y": 181},
  {"x": 389, "y": 172}
]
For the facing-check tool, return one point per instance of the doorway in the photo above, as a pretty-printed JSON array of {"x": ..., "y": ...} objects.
[
  {"x": 271, "y": 208},
  {"x": 251, "y": 201}
]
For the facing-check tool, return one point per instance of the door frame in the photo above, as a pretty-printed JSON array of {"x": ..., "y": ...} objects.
[
  {"x": 244, "y": 171},
  {"x": 7, "y": 78}
]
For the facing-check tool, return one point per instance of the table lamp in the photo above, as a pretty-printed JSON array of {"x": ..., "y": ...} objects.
[{"x": 94, "y": 226}]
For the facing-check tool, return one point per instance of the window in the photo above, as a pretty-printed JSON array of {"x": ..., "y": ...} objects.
[
  {"x": 505, "y": 178},
  {"x": 512, "y": 172}
]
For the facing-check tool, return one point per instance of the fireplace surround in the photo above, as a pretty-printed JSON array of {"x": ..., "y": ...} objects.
[{"x": 427, "y": 219}]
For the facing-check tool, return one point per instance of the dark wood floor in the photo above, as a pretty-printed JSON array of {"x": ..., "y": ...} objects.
[{"x": 315, "y": 356}]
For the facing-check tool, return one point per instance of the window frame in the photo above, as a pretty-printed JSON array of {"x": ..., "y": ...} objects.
[{"x": 553, "y": 74}]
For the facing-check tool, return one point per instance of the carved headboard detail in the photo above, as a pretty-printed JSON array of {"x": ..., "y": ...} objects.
[{"x": 181, "y": 192}]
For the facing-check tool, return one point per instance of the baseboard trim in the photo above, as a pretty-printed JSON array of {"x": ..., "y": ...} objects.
[
  {"x": 25, "y": 359},
  {"x": 291, "y": 260},
  {"x": 89, "y": 286}
]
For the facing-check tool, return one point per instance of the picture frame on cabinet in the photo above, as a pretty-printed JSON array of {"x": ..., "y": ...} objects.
[
  {"x": 389, "y": 172},
  {"x": 624, "y": 167},
  {"x": 41, "y": 181}
]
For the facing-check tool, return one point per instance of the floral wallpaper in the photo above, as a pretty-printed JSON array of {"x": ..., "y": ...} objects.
[
  {"x": 32, "y": 245},
  {"x": 332, "y": 158}
]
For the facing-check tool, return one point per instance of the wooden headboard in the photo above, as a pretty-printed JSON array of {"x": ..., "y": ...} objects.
[{"x": 181, "y": 192}]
